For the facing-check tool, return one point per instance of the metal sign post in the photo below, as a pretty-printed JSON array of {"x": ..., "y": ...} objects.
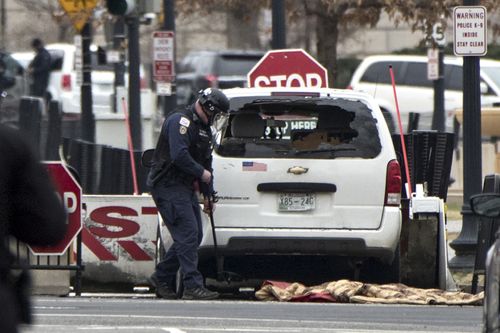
[
  {"x": 78, "y": 59},
  {"x": 470, "y": 42}
]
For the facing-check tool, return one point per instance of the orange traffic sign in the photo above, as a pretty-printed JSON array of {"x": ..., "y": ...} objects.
[{"x": 78, "y": 11}]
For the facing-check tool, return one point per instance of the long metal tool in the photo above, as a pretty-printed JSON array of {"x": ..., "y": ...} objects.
[{"x": 219, "y": 260}]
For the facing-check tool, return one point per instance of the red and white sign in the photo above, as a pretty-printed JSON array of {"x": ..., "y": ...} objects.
[
  {"x": 432, "y": 64},
  {"x": 120, "y": 228},
  {"x": 70, "y": 193},
  {"x": 163, "y": 56},
  {"x": 288, "y": 68},
  {"x": 119, "y": 238},
  {"x": 470, "y": 30}
]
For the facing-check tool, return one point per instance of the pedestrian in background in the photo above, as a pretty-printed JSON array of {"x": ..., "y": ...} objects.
[
  {"x": 31, "y": 212},
  {"x": 182, "y": 162},
  {"x": 39, "y": 69}
]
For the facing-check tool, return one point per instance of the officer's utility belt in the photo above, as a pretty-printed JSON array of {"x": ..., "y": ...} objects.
[
  {"x": 178, "y": 176},
  {"x": 158, "y": 172}
]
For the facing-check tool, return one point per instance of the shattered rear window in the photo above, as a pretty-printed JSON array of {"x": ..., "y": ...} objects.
[{"x": 299, "y": 127}]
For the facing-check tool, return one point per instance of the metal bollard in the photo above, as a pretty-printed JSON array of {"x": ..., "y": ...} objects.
[
  {"x": 54, "y": 131},
  {"x": 30, "y": 118}
]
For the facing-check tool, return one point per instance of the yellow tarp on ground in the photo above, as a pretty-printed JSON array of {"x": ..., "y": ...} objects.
[{"x": 346, "y": 291}]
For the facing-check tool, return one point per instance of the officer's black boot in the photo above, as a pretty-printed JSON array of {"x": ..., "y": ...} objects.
[
  {"x": 199, "y": 293},
  {"x": 163, "y": 290}
]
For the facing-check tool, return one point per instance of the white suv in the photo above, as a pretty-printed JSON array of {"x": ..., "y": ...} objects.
[
  {"x": 63, "y": 86},
  {"x": 303, "y": 175},
  {"x": 415, "y": 92}
]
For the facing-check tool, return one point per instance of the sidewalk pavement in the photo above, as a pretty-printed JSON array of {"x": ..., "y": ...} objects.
[{"x": 453, "y": 228}]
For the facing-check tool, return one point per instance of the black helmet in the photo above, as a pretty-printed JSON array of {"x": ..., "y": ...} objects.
[{"x": 213, "y": 101}]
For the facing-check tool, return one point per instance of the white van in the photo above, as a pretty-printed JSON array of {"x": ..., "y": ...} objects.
[
  {"x": 303, "y": 175},
  {"x": 415, "y": 92}
]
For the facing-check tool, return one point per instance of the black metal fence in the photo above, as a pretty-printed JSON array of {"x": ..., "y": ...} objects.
[
  {"x": 104, "y": 169},
  {"x": 100, "y": 169},
  {"x": 430, "y": 156},
  {"x": 70, "y": 260}
]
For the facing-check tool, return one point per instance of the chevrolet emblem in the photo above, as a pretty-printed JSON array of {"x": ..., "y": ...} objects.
[{"x": 297, "y": 170}]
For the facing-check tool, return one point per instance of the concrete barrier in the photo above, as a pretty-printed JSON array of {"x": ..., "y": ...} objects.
[
  {"x": 490, "y": 164},
  {"x": 119, "y": 238}
]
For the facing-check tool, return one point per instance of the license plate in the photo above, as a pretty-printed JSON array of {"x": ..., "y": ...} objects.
[{"x": 296, "y": 202}]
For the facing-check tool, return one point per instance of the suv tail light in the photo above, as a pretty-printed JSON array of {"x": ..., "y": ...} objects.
[
  {"x": 349, "y": 87},
  {"x": 212, "y": 80},
  {"x": 144, "y": 83},
  {"x": 66, "y": 82},
  {"x": 393, "y": 184}
]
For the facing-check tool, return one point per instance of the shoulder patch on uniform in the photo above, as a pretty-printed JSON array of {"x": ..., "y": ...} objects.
[
  {"x": 183, "y": 129},
  {"x": 184, "y": 121}
]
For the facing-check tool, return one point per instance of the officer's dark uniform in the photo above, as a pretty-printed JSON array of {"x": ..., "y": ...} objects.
[
  {"x": 181, "y": 155},
  {"x": 40, "y": 66}
]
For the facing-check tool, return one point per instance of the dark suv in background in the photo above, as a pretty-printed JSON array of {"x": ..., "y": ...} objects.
[{"x": 217, "y": 69}]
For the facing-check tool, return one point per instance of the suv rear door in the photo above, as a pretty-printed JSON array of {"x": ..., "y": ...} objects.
[{"x": 329, "y": 176}]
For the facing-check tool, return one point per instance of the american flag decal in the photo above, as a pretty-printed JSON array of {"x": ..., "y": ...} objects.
[{"x": 253, "y": 166}]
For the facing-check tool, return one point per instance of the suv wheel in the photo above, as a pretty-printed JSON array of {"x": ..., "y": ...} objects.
[{"x": 376, "y": 271}]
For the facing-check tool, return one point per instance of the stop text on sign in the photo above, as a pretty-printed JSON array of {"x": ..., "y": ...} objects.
[
  {"x": 312, "y": 80},
  {"x": 70, "y": 201}
]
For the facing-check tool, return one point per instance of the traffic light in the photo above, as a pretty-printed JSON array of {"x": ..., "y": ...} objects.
[{"x": 120, "y": 7}]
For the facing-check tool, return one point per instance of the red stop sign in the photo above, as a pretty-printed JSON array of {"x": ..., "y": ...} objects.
[
  {"x": 70, "y": 193},
  {"x": 288, "y": 68}
]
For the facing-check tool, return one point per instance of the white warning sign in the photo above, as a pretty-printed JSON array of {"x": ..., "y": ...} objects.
[{"x": 470, "y": 31}]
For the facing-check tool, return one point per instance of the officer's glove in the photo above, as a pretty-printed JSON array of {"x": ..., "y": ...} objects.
[
  {"x": 208, "y": 205},
  {"x": 206, "y": 177}
]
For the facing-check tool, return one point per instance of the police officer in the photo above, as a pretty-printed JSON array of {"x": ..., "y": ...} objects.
[
  {"x": 39, "y": 69},
  {"x": 182, "y": 163}
]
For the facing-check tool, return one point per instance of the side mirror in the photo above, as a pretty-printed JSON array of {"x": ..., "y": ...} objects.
[
  {"x": 486, "y": 204},
  {"x": 147, "y": 158}
]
